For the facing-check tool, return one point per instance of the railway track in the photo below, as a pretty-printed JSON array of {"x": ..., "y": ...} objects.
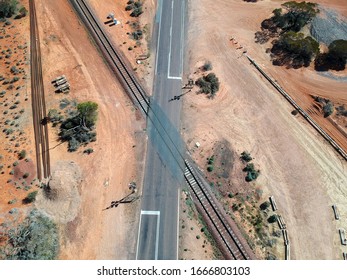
[
  {"x": 38, "y": 99},
  {"x": 215, "y": 217},
  {"x": 221, "y": 229},
  {"x": 114, "y": 59}
]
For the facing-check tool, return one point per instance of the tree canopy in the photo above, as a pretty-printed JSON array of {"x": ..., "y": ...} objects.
[
  {"x": 296, "y": 17},
  {"x": 334, "y": 59},
  {"x": 294, "y": 49},
  {"x": 208, "y": 84},
  {"x": 8, "y": 8},
  {"x": 79, "y": 128},
  {"x": 88, "y": 112}
]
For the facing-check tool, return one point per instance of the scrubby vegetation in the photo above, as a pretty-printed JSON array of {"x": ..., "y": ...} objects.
[
  {"x": 272, "y": 219},
  {"x": 328, "y": 106},
  {"x": 36, "y": 238},
  {"x": 135, "y": 7},
  {"x": 252, "y": 174},
  {"x": 334, "y": 59},
  {"x": 265, "y": 205},
  {"x": 246, "y": 156},
  {"x": 210, "y": 162},
  {"x": 207, "y": 66},
  {"x": 31, "y": 197},
  {"x": 79, "y": 128},
  {"x": 341, "y": 111},
  {"x": 208, "y": 84}
]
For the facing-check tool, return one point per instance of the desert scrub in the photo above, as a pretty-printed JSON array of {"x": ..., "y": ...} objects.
[{"x": 36, "y": 238}]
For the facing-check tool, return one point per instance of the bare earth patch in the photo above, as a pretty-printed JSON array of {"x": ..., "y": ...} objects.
[
  {"x": 304, "y": 173},
  {"x": 118, "y": 155},
  {"x": 60, "y": 199}
]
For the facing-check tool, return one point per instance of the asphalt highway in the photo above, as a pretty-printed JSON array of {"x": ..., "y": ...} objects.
[{"x": 158, "y": 227}]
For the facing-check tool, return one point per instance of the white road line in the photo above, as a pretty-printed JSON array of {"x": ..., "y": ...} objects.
[
  {"x": 169, "y": 58},
  {"x": 178, "y": 221},
  {"x": 150, "y": 212},
  {"x": 157, "y": 213},
  {"x": 156, "y": 59},
  {"x": 157, "y": 237},
  {"x": 182, "y": 36},
  {"x": 174, "y": 78},
  {"x": 138, "y": 237}
]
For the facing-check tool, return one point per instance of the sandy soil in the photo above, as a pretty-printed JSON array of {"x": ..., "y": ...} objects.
[
  {"x": 121, "y": 34},
  {"x": 308, "y": 82},
  {"x": 302, "y": 171},
  {"x": 118, "y": 152},
  {"x": 194, "y": 244},
  {"x": 13, "y": 187}
]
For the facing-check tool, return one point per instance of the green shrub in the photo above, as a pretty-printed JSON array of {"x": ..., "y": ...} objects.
[
  {"x": 246, "y": 156},
  {"x": 88, "y": 151},
  {"x": 328, "y": 109},
  {"x": 265, "y": 205},
  {"x": 22, "y": 154},
  {"x": 78, "y": 129},
  {"x": 272, "y": 219},
  {"x": 128, "y": 7},
  {"x": 210, "y": 168},
  {"x": 208, "y": 84},
  {"x": 136, "y": 12},
  {"x": 36, "y": 238},
  {"x": 31, "y": 197},
  {"x": 252, "y": 174},
  {"x": 12, "y": 201},
  {"x": 207, "y": 66}
]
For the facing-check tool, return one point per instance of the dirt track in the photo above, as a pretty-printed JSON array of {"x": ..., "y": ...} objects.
[
  {"x": 297, "y": 167},
  {"x": 106, "y": 173}
]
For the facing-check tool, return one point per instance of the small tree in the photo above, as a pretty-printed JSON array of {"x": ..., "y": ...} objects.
[
  {"x": 136, "y": 12},
  {"x": 328, "y": 109},
  {"x": 207, "y": 66},
  {"x": 22, "y": 154},
  {"x": 30, "y": 198},
  {"x": 252, "y": 174},
  {"x": 210, "y": 168},
  {"x": 88, "y": 112},
  {"x": 272, "y": 219},
  {"x": 265, "y": 205},
  {"x": 246, "y": 156}
]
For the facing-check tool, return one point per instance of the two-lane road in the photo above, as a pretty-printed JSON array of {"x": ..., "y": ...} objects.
[{"x": 158, "y": 228}]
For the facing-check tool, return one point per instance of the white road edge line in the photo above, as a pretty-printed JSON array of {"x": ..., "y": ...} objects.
[
  {"x": 181, "y": 52},
  {"x": 178, "y": 221},
  {"x": 169, "y": 58},
  {"x": 156, "y": 59},
  {"x": 182, "y": 35},
  {"x": 157, "y": 238},
  {"x": 138, "y": 237},
  {"x": 157, "y": 213}
]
